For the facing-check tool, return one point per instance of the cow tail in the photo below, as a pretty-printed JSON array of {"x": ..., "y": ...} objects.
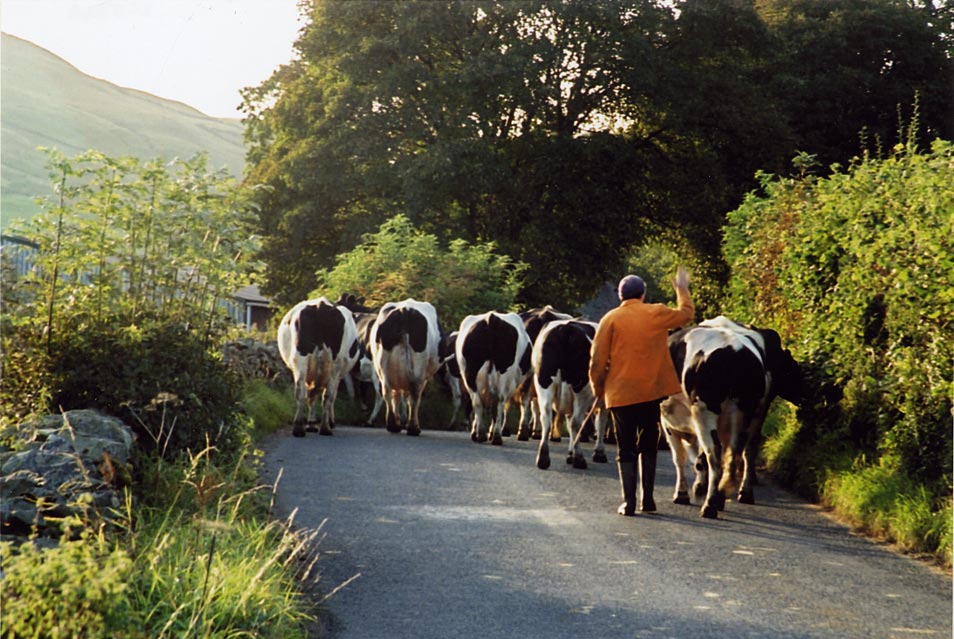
[
  {"x": 311, "y": 371},
  {"x": 319, "y": 367},
  {"x": 485, "y": 381}
]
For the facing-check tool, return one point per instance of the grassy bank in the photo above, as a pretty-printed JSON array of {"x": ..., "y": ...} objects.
[
  {"x": 195, "y": 554},
  {"x": 877, "y": 498}
]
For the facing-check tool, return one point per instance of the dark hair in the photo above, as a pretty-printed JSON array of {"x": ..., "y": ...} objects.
[{"x": 631, "y": 287}]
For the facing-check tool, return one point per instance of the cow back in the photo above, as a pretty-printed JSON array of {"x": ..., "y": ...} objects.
[
  {"x": 393, "y": 324},
  {"x": 499, "y": 339},
  {"x": 319, "y": 326},
  {"x": 536, "y": 318},
  {"x": 563, "y": 348}
]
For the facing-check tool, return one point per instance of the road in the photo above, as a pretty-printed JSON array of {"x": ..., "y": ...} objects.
[{"x": 456, "y": 539}]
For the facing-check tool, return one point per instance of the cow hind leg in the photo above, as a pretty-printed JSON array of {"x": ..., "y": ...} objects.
[
  {"x": 706, "y": 423},
  {"x": 543, "y": 452},
  {"x": 328, "y": 409},
  {"x": 392, "y": 415},
  {"x": 378, "y": 401},
  {"x": 524, "y": 426},
  {"x": 701, "y": 483},
  {"x": 298, "y": 429},
  {"x": 555, "y": 434},
  {"x": 679, "y": 458},
  {"x": 575, "y": 450},
  {"x": 414, "y": 399},
  {"x": 478, "y": 433},
  {"x": 499, "y": 424},
  {"x": 749, "y": 455},
  {"x": 599, "y": 451}
]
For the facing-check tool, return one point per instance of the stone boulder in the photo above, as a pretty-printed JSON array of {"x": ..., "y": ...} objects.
[{"x": 63, "y": 466}]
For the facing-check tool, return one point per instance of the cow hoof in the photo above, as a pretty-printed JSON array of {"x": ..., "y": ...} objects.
[
  {"x": 569, "y": 458},
  {"x": 298, "y": 431},
  {"x": 543, "y": 461},
  {"x": 720, "y": 501},
  {"x": 327, "y": 432},
  {"x": 473, "y": 437},
  {"x": 413, "y": 431},
  {"x": 522, "y": 437},
  {"x": 579, "y": 462},
  {"x": 496, "y": 440},
  {"x": 648, "y": 506},
  {"x": 710, "y": 512},
  {"x": 394, "y": 428},
  {"x": 555, "y": 439},
  {"x": 535, "y": 436},
  {"x": 682, "y": 499},
  {"x": 626, "y": 509},
  {"x": 747, "y": 497},
  {"x": 599, "y": 457}
]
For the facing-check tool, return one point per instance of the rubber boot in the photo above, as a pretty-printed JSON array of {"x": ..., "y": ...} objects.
[
  {"x": 647, "y": 476},
  {"x": 627, "y": 481}
]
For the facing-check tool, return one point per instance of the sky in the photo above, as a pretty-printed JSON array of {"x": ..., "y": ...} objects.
[{"x": 199, "y": 52}]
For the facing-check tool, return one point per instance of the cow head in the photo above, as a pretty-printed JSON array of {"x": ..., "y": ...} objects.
[
  {"x": 788, "y": 378},
  {"x": 536, "y": 318},
  {"x": 354, "y": 304}
]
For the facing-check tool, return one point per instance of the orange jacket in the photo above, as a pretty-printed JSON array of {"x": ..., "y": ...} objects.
[{"x": 629, "y": 359}]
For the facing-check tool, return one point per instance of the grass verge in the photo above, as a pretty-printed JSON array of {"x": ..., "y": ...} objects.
[
  {"x": 875, "y": 497},
  {"x": 198, "y": 556}
]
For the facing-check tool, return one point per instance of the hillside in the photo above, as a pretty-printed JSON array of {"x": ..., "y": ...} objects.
[{"x": 48, "y": 102}]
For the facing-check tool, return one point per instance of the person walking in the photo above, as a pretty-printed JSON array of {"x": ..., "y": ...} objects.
[{"x": 631, "y": 372}]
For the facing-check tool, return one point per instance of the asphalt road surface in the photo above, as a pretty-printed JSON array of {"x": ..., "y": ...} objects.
[{"x": 456, "y": 539}]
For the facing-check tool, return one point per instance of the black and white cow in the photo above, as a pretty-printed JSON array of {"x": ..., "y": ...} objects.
[
  {"x": 318, "y": 342},
  {"x": 493, "y": 352},
  {"x": 363, "y": 372},
  {"x": 363, "y": 380},
  {"x": 449, "y": 374},
  {"x": 405, "y": 341},
  {"x": 730, "y": 373},
  {"x": 561, "y": 364},
  {"x": 533, "y": 321}
]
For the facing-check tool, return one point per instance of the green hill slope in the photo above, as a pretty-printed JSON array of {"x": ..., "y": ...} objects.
[{"x": 46, "y": 101}]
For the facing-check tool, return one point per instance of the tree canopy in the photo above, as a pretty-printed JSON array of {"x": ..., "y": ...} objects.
[{"x": 567, "y": 132}]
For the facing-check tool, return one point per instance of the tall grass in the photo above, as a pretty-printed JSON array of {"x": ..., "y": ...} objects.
[
  {"x": 881, "y": 500},
  {"x": 876, "y": 497},
  {"x": 202, "y": 558}
]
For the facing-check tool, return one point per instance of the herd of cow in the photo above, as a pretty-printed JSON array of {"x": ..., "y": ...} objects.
[{"x": 539, "y": 359}]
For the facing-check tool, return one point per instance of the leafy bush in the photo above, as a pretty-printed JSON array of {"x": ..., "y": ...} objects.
[
  {"x": 122, "y": 313},
  {"x": 657, "y": 261},
  {"x": 123, "y": 306},
  {"x": 857, "y": 272},
  {"x": 76, "y": 589},
  {"x": 161, "y": 378},
  {"x": 400, "y": 261}
]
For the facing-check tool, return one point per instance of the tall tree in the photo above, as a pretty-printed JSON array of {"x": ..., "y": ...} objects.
[
  {"x": 566, "y": 131},
  {"x": 477, "y": 119},
  {"x": 844, "y": 68}
]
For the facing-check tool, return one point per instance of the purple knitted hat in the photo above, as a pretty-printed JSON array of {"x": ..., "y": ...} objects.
[{"x": 631, "y": 287}]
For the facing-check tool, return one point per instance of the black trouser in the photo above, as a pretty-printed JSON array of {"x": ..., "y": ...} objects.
[{"x": 637, "y": 430}]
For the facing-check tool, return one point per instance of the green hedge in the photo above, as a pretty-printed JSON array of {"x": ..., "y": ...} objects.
[{"x": 856, "y": 270}]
